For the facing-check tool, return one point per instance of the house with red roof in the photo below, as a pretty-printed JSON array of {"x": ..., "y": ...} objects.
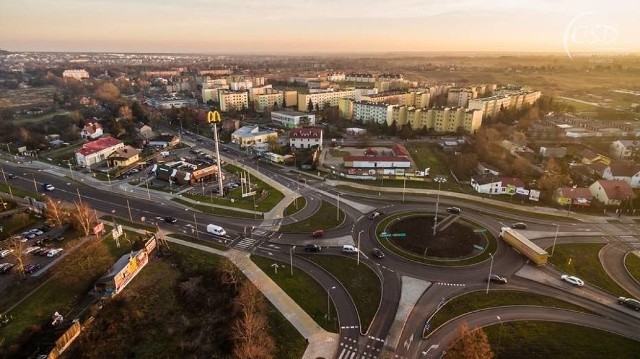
[
  {"x": 305, "y": 137},
  {"x": 576, "y": 196},
  {"x": 97, "y": 151},
  {"x": 91, "y": 130},
  {"x": 611, "y": 192}
]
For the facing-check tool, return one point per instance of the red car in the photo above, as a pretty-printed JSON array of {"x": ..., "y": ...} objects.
[{"x": 317, "y": 233}]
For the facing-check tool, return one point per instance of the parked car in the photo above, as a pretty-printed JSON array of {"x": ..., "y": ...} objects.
[
  {"x": 630, "y": 302},
  {"x": 170, "y": 219},
  {"x": 11, "y": 176},
  {"x": 54, "y": 252},
  {"x": 573, "y": 280},
  {"x": 519, "y": 225},
  {"x": 5, "y": 252},
  {"x": 376, "y": 252},
  {"x": 349, "y": 249},
  {"x": 494, "y": 278},
  {"x": 375, "y": 215},
  {"x": 312, "y": 248},
  {"x": 6, "y": 267},
  {"x": 317, "y": 233},
  {"x": 453, "y": 210},
  {"x": 30, "y": 249},
  {"x": 31, "y": 268}
]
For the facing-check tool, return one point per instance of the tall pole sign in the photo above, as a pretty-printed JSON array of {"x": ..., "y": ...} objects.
[{"x": 214, "y": 118}]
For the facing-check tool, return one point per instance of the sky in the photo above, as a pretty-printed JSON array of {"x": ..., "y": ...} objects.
[{"x": 320, "y": 26}]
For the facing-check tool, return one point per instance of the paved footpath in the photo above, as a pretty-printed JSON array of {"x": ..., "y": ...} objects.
[{"x": 321, "y": 343}]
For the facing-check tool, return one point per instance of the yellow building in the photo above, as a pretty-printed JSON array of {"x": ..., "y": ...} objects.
[
  {"x": 345, "y": 108},
  {"x": 124, "y": 157},
  {"x": 322, "y": 98},
  {"x": 251, "y": 135},
  {"x": 233, "y": 100},
  {"x": 442, "y": 119},
  {"x": 267, "y": 100}
]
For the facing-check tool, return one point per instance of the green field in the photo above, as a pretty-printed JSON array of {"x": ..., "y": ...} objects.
[
  {"x": 298, "y": 204},
  {"x": 632, "y": 262},
  {"x": 326, "y": 217},
  {"x": 582, "y": 260}
]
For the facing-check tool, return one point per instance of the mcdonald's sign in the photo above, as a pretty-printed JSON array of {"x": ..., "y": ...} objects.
[{"x": 213, "y": 117}]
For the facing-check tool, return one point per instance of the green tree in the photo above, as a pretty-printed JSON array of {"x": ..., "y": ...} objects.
[{"x": 310, "y": 105}]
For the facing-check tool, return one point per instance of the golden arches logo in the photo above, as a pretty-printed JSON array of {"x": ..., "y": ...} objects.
[{"x": 213, "y": 117}]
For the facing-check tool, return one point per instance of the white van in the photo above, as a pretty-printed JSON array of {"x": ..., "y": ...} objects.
[{"x": 217, "y": 230}]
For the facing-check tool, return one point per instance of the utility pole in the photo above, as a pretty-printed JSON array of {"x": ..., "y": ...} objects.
[
  {"x": 7, "y": 184},
  {"x": 214, "y": 117},
  {"x": 129, "y": 208}
]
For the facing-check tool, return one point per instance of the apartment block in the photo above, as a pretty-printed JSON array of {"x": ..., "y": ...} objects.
[
  {"x": 268, "y": 100},
  {"x": 76, "y": 74},
  {"x": 336, "y": 77},
  {"x": 460, "y": 96},
  {"x": 368, "y": 112},
  {"x": 232, "y": 100},
  {"x": 291, "y": 119},
  {"x": 323, "y": 98},
  {"x": 441, "y": 119}
]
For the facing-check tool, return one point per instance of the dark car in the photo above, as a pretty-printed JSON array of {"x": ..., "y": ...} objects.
[
  {"x": 453, "y": 210},
  {"x": 169, "y": 219},
  {"x": 5, "y": 268},
  {"x": 376, "y": 252},
  {"x": 317, "y": 233},
  {"x": 494, "y": 278},
  {"x": 630, "y": 302},
  {"x": 11, "y": 176},
  {"x": 519, "y": 225},
  {"x": 31, "y": 268},
  {"x": 312, "y": 248},
  {"x": 375, "y": 215}
]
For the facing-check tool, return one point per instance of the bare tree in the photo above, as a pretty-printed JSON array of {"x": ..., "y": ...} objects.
[
  {"x": 17, "y": 245},
  {"x": 55, "y": 214},
  {"x": 83, "y": 218},
  {"x": 250, "y": 335},
  {"x": 471, "y": 344},
  {"x": 230, "y": 273}
]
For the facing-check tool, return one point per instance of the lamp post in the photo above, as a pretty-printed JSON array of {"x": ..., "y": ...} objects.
[
  {"x": 440, "y": 181},
  {"x": 555, "y": 238},
  {"x": 291, "y": 258},
  {"x": 6, "y": 183},
  {"x": 490, "y": 269},
  {"x": 35, "y": 186},
  {"x": 148, "y": 193},
  {"x": 329, "y": 304},
  {"x": 404, "y": 187},
  {"x": 70, "y": 169},
  {"x": 359, "y": 233},
  {"x": 338, "y": 208},
  {"x": 195, "y": 222},
  {"x": 499, "y": 336}
]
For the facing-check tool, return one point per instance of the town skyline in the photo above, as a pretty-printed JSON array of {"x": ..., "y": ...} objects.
[{"x": 288, "y": 27}]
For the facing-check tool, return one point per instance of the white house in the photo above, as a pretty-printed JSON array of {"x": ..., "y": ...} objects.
[
  {"x": 486, "y": 183},
  {"x": 305, "y": 137},
  {"x": 624, "y": 148},
  {"x": 91, "y": 131},
  {"x": 291, "y": 119},
  {"x": 611, "y": 193},
  {"x": 97, "y": 151},
  {"x": 623, "y": 171}
]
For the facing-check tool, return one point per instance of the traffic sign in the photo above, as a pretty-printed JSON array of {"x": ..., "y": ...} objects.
[{"x": 399, "y": 235}]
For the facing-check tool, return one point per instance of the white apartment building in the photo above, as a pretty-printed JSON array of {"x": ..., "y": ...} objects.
[
  {"x": 441, "y": 119},
  {"x": 258, "y": 90},
  {"x": 76, "y": 74},
  {"x": 356, "y": 77},
  {"x": 323, "y": 98},
  {"x": 240, "y": 85},
  {"x": 460, "y": 96},
  {"x": 268, "y": 100},
  {"x": 492, "y": 105},
  {"x": 291, "y": 119},
  {"x": 232, "y": 100},
  {"x": 366, "y": 112},
  {"x": 211, "y": 94},
  {"x": 336, "y": 77},
  {"x": 306, "y": 137}
]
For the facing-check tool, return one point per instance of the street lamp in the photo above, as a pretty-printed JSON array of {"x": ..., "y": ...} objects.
[
  {"x": 6, "y": 183},
  {"x": 359, "y": 233},
  {"x": 291, "y": 258},
  {"x": 555, "y": 238},
  {"x": 499, "y": 336},
  {"x": 440, "y": 181},
  {"x": 328, "y": 304},
  {"x": 338, "y": 208},
  {"x": 70, "y": 169},
  {"x": 404, "y": 187},
  {"x": 490, "y": 269}
]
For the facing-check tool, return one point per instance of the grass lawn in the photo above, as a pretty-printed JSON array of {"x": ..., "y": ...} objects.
[
  {"x": 360, "y": 281},
  {"x": 214, "y": 210},
  {"x": 480, "y": 299},
  {"x": 69, "y": 281},
  {"x": 582, "y": 260},
  {"x": 126, "y": 223},
  {"x": 632, "y": 262},
  {"x": 292, "y": 208},
  {"x": 201, "y": 241},
  {"x": 303, "y": 289},
  {"x": 491, "y": 247},
  {"x": 18, "y": 192},
  {"x": 338, "y": 153},
  {"x": 324, "y": 218},
  {"x": 558, "y": 340},
  {"x": 425, "y": 156},
  {"x": 264, "y": 204}
]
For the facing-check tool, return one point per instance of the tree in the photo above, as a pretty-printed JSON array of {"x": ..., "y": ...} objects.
[
  {"x": 471, "y": 344},
  {"x": 107, "y": 92},
  {"x": 251, "y": 338},
  {"x": 125, "y": 112},
  {"x": 229, "y": 273},
  {"x": 55, "y": 214},
  {"x": 83, "y": 218},
  {"x": 465, "y": 164},
  {"x": 310, "y": 105},
  {"x": 18, "y": 252}
]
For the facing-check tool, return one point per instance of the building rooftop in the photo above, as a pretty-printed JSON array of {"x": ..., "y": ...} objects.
[
  {"x": 575, "y": 193},
  {"x": 291, "y": 113},
  {"x": 616, "y": 189},
  {"x": 624, "y": 169},
  {"x": 305, "y": 132},
  {"x": 98, "y": 145},
  {"x": 376, "y": 158}
]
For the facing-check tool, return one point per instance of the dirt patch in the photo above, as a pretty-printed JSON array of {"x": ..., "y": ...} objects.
[{"x": 453, "y": 241}]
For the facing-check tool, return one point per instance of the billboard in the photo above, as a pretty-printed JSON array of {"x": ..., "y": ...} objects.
[
  {"x": 98, "y": 228},
  {"x": 534, "y": 195}
]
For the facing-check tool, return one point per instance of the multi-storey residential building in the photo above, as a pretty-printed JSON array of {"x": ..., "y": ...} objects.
[
  {"x": 290, "y": 98},
  {"x": 76, "y": 74},
  {"x": 258, "y": 90},
  {"x": 492, "y": 105},
  {"x": 97, "y": 151},
  {"x": 305, "y": 137},
  {"x": 441, "y": 119},
  {"x": 215, "y": 72},
  {"x": 390, "y": 77},
  {"x": 356, "y": 77},
  {"x": 345, "y": 108},
  {"x": 240, "y": 85},
  {"x": 461, "y": 96},
  {"x": 211, "y": 94},
  {"x": 166, "y": 103},
  {"x": 323, "y": 98},
  {"x": 336, "y": 77},
  {"x": 291, "y": 119},
  {"x": 368, "y": 112},
  {"x": 268, "y": 100},
  {"x": 231, "y": 100},
  {"x": 394, "y": 98}
]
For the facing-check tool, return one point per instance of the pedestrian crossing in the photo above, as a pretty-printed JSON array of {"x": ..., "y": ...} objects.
[
  {"x": 451, "y": 284},
  {"x": 349, "y": 349},
  {"x": 245, "y": 244}
]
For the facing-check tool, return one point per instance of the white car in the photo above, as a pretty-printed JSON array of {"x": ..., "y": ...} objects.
[
  {"x": 347, "y": 248},
  {"x": 54, "y": 252},
  {"x": 49, "y": 187},
  {"x": 31, "y": 249},
  {"x": 572, "y": 280},
  {"x": 5, "y": 252}
]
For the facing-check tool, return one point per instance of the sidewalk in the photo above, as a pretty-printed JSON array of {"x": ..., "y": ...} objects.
[{"x": 321, "y": 343}]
